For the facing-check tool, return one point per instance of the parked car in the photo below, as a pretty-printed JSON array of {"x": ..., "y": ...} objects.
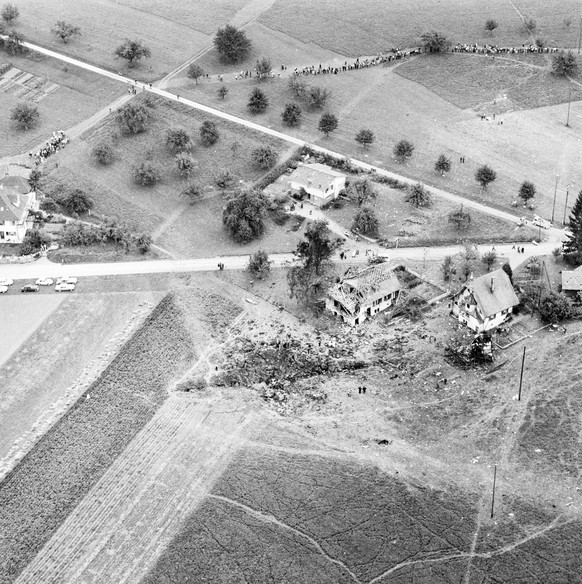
[
  {"x": 64, "y": 287},
  {"x": 3, "y": 289},
  {"x": 45, "y": 282},
  {"x": 30, "y": 288},
  {"x": 539, "y": 222},
  {"x": 6, "y": 282},
  {"x": 67, "y": 280}
]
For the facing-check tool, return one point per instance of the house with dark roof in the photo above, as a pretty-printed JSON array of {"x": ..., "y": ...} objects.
[
  {"x": 321, "y": 183},
  {"x": 486, "y": 302},
  {"x": 15, "y": 207},
  {"x": 572, "y": 282},
  {"x": 363, "y": 294}
]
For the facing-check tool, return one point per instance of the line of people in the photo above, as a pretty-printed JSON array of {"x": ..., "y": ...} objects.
[
  {"x": 494, "y": 49},
  {"x": 58, "y": 140}
]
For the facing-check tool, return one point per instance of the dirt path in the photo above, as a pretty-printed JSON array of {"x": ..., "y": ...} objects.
[{"x": 122, "y": 526}]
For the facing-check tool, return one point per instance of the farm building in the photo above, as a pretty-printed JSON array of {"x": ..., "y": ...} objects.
[
  {"x": 572, "y": 282},
  {"x": 486, "y": 302},
  {"x": 15, "y": 204},
  {"x": 363, "y": 295},
  {"x": 322, "y": 183}
]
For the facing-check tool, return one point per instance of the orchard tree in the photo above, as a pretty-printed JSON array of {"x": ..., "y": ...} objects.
[
  {"x": 178, "y": 140},
  {"x": 147, "y": 174},
  {"x": 222, "y": 92},
  {"x": 132, "y": 51},
  {"x": 232, "y": 44},
  {"x": 460, "y": 218},
  {"x": 366, "y": 222},
  {"x": 209, "y": 133},
  {"x": 317, "y": 97},
  {"x": 244, "y": 216},
  {"x": 193, "y": 192},
  {"x": 317, "y": 247},
  {"x": 572, "y": 248},
  {"x": 327, "y": 124},
  {"x": 555, "y": 308},
  {"x": 434, "y": 42},
  {"x": 418, "y": 196},
  {"x": 14, "y": 43},
  {"x": 527, "y": 191},
  {"x": 485, "y": 175},
  {"x": 443, "y": 164},
  {"x": 291, "y": 114},
  {"x": 133, "y": 118},
  {"x": 564, "y": 63},
  {"x": 264, "y": 157},
  {"x": 489, "y": 258},
  {"x": 363, "y": 191},
  {"x": 9, "y": 13},
  {"x": 259, "y": 264},
  {"x": 103, "y": 153},
  {"x": 258, "y": 101},
  {"x": 297, "y": 85},
  {"x": 185, "y": 164},
  {"x": 224, "y": 179},
  {"x": 263, "y": 67},
  {"x": 403, "y": 150},
  {"x": 491, "y": 25},
  {"x": 365, "y": 138},
  {"x": 65, "y": 30},
  {"x": 195, "y": 71},
  {"x": 77, "y": 201},
  {"x": 25, "y": 115}
]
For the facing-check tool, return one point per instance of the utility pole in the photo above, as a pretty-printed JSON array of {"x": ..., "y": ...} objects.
[
  {"x": 555, "y": 193},
  {"x": 493, "y": 495},
  {"x": 569, "y": 101},
  {"x": 521, "y": 375},
  {"x": 566, "y": 206},
  {"x": 579, "y": 33}
]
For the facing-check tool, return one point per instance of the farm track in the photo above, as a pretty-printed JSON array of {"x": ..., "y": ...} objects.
[{"x": 163, "y": 475}]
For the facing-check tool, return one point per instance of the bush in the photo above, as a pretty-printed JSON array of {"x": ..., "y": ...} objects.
[
  {"x": 264, "y": 157},
  {"x": 209, "y": 133},
  {"x": 258, "y": 101},
  {"x": 77, "y": 201},
  {"x": 25, "y": 115},
  {"x": 178, "y": 140},
  {"x": 146, "y": 174},
  {"x": 49, "y": 205},
  {"x": 224, "y": 179},
  {"x": 33, "y": 241},
  {"x": 103, "y": 153}
]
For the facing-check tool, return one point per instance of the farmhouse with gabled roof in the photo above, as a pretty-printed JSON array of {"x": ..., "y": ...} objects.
[
  {"x": 486, "y": 302},
  {"x": 14, "y": 210},
  {"x": 572, "y": 281},
  {"x": 320, "y": 182},
  {"x": 363, "y": 295}
]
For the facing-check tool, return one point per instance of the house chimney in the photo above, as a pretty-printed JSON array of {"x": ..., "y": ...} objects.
[{"x": 492, "y": 285}]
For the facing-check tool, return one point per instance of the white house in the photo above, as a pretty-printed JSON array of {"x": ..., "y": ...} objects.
[
  {"x": 572, "y": 282},
  {"x": 486, "y": 302},
  {"x": 322, "y": 183},
  {"x": 363, "y": 295},
  {"x": 15, "y": 206}
]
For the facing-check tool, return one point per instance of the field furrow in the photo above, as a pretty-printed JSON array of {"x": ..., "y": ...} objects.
[{"x": 125, "y": 522}]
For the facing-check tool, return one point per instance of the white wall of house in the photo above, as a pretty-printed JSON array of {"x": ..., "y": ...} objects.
[
  {"x": 319, "y": 197},
  {"x": 12, "y": 232},
  {"x": 366, "y": 310}
]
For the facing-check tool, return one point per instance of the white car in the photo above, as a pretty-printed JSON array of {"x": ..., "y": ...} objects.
[
  {"x": 64, "y": 287},
  {"x": 3, "y": 289},
  {"x": 67, "y": 280},
  {"x": 6, "y": 282},
  {"x": 45, "y": 282}
]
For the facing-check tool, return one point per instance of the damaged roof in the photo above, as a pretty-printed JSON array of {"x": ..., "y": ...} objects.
[{"x": 492, "y": 302}]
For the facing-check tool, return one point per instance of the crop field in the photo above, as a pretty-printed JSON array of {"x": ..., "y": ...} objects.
[
  {"x": 64, "y": 96},
  {"x": 185, "y": 229},
  {"x": 371, "y": 26},
  {"x": 38, "y": 495},
  {"x": 489, "y": 85},
  {"x": 77, "y": 335}
]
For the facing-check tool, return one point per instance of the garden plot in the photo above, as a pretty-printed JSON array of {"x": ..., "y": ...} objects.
[{"x": 26, "y": 86}]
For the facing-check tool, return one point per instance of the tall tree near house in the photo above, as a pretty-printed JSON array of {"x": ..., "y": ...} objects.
[
  {"x": 65, "y": 30},
  {"x": 572, "y": 248},
  {"x": 527, "y": 191},
  {"x": 363, "y": 191},
  {"x": 232, "y": 44},
  {"x": 195, "y": 71},
  {"x": 485, "y": 175},
  {"x": 244, "y": 216},
  {"x": 365, "y": 138},
  {"x": 317, "y": 247},
  {"x": 489, "y": 258},
  {"x": 327, "y": 124},
  {"x": 443, "y": 164},
  {"x": 366, "y": 222},
  {"x": 132, "y": 51}
]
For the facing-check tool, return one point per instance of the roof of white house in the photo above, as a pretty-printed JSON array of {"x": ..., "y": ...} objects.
[
  {"x": 13, "y": 205},
  {"x": 315, "y": 175},
  {"x": 572, "y": 279},
  {"x": 366, "y": 286},
  {"x": 490, "y": 301},
  {"x": 17, "y": 183}
]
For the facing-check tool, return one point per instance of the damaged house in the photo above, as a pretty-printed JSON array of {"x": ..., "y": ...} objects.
[
  {"x": 486, "y": 302},
  {"x": 364, "y": 294}
]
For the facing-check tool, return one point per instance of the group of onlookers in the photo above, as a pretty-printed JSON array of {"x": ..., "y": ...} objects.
[{"x": 57, "y": 141}]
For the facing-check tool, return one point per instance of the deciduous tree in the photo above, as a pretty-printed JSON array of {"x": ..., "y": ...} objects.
[
  {"x": 195, "y": 71},
  {"x": 103, "y": 153},
  {"x": 434, "y": 42},
  {"x": 403, "y": 150},
  {"x": 185, "y": 164},
  {"x": 14, "y": 43},
  {"x": 418, "y": 196},
  {"x": 25, "y": 115},
  {"x": 209, "y": 134},
  {"x": 133, "y": 117},
  {"x": 317, "y": 247},
  {"x": 491, "y": 25},
  {"x": 65, "y": 30},
  {"x": 232, "y": 44},
  {"x": 34, "y": 179},
  {"x": 564, "y": 63},
  {"x": 263, "y": 67},
  {"x": 447, "y": 268},
  {"x": 193, "y": 192},
  {"x": 291, "y": 114},
  {"x": 489, "y": 258},
  {"x": 147, "y": 174},
  {"x": 77, "y": 201},
  {"x": 297, "y": 85},
  {"x": 527, "y": 191},
  {"x": 264, "y": 157},
  {"x": 555, "y": 308},
  {"x": 363, "y": 191},
  {"x": 460, "y": 218},
  {"x": 259, "y": 264},
  {"x": 366, "y": 222},
  {"x": 443, "y": 164},
  {"x": 9, "y": 13},
  {"x": 317, "y": 97},
  {"x": 327, "y": 123},
  {"x": 485, "y": 175},
  {"x": 258, "y": 101},
  {"x": 143, "y": 242},
  {"x": 222, "y": 92},
  {"x": 365, "y": 138},
  {"x": 178, "y": 140},
  {"x": 244, "y": 216},
  {"x": 132, "y": 51}
]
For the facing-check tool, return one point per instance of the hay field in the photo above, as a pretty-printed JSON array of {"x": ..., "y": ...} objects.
[
  {"x": 185, "y": 229},
  {"x": 370, "y": 26}
]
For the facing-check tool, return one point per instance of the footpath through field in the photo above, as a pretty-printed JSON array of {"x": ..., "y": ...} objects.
[{"x": 121, "y": 527}]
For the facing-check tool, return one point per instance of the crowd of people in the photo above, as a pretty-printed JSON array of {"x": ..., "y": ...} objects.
[
  {"x": 495, "y": 50},
  {"x": 58, "y": 140}
]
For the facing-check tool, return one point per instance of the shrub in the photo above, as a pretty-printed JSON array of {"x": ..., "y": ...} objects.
[
  {"x": 193, "y": 192},
  {"x": 178, "y": 140},
  {"x": 209, "y": 133},
  {"x": 103, "y": 153},
  {"x": 264, "y": 157},
  {"x": 185, "y": 164},
  {"x": 146, "y": 174}
]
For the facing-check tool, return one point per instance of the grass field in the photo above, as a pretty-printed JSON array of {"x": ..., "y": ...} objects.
[
  {"x": 367, "y": 27},
  {"x": 79, "y": 94},
  {"x": 181, "y": 228},
  {"x": 63, "y": 466}
]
